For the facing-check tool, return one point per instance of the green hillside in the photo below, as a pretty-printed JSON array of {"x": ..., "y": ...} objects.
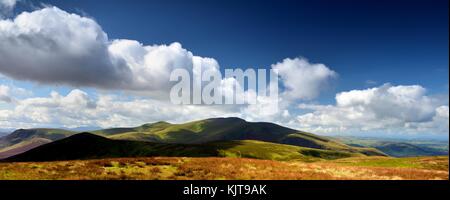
[
  {"x": 197, "y": 132},
  {"x": 89, "y": 146},
  {"x": 225, "y": 129}
]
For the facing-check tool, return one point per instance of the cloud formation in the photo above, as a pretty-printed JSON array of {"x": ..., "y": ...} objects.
[
  {"x": 51, "y": 46},
  {"x": 78, "y": 109},
  {"x": 5, "y": 94},
  {"x": 395, "y": 108},
  {"x": 302, "y": 79},
  {"x": 69, "y": 49},
  {"x": 64, "y": 48}
]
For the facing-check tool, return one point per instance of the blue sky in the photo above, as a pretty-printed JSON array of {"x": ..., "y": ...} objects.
[
  {"x": 402, "y": 42},
  {"x": 367, "y": 43}
]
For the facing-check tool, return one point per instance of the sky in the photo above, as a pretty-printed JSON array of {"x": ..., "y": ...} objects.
[{"x": 376, "y": 68}]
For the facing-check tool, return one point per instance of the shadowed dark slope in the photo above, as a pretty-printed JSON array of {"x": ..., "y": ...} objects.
[{"x": 89, "y": 146}]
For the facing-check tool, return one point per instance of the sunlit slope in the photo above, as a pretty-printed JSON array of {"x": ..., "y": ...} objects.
[
  {"x": 224, "y": 129},
  {"x": 22, "y": 140},
  {"x": 21, "y": 135},
  {"x": 197, "y": 132},
  {"x": 22, "y": 147}
]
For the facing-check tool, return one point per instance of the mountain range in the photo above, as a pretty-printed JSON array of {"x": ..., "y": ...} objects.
[
  {"x": 231, "y": 137},
  {"x": 85, "y": 146},
  {"x": 400, "y": 147}
]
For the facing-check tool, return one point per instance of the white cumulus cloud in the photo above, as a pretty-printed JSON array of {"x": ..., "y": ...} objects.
[
  {"x": 302, "y": 79},
  {"x": 388, "y": 108},
  {"x": 78, "y": 109},
  {"x": 52, "y": 46},
  {"x": 55, "y": 47}
]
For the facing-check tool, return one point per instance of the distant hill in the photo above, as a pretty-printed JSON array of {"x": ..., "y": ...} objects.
[
  {"x": 3, "y": 133},
  {"x": 22, "y": 147},
  {"x": 22, "y": 135},
  {"x": 400, "y": 148},
  {"x": 23, "y": 140},
  {"x": 197, "y": 132},
  {"x": 89, "y": 146}
]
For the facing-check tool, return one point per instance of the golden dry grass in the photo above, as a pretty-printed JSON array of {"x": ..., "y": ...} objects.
[{"x": 181, "y": 168}]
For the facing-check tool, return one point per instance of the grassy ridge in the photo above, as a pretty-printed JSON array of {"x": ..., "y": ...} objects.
[
  {"x": 198, "y": 132},
  {"x": 89, "y": 146},
  {"x": 272, "y": 151},
  {"x": 225, "y": 129}
]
